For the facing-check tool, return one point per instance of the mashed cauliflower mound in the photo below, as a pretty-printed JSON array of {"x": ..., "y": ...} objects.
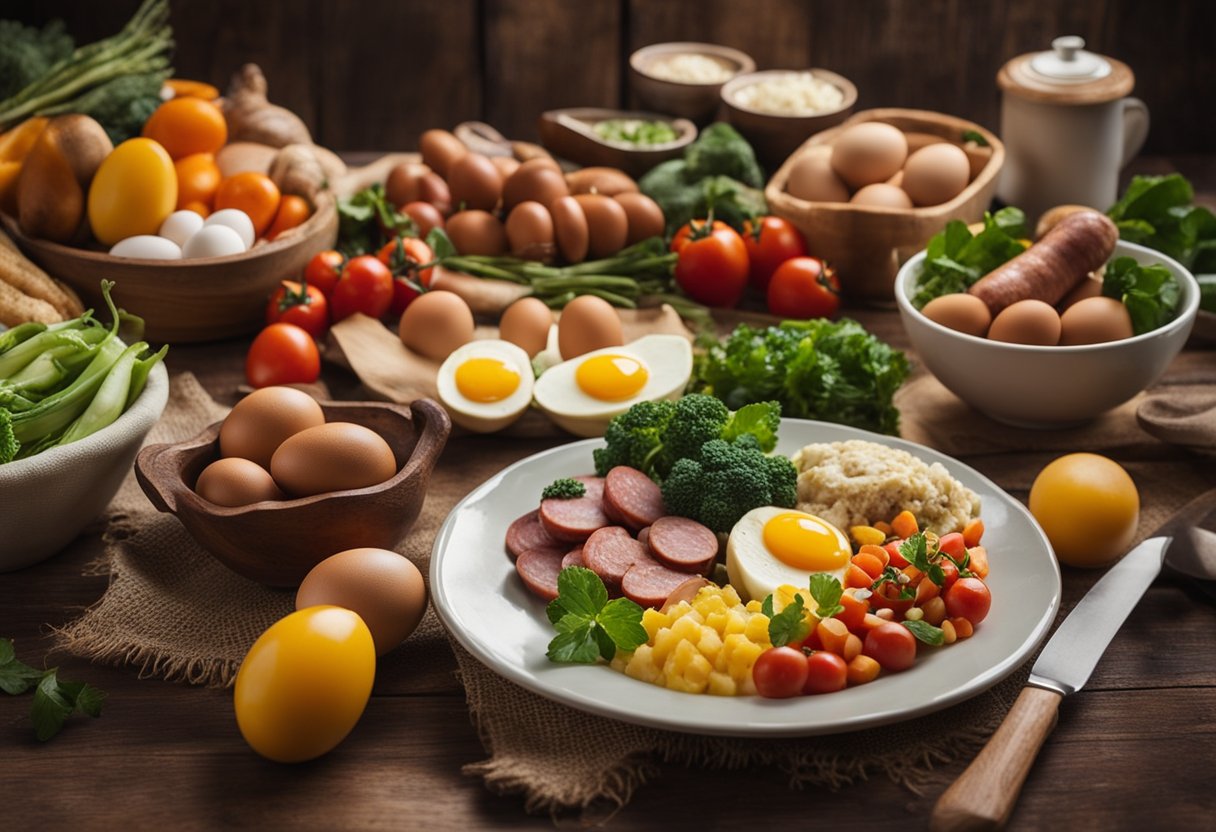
[{"x": 859, "y": 483}]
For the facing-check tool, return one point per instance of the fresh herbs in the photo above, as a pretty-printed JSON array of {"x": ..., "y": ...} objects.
[
  {"x": 926, "y": 632},
  {"x": 589, "y": 626},
  {"x": 566, "y": 488},
  {"x": 367, "y": 220},
  {"x": 915, "y": 550},
  {"x": 790, "y": 625},
  {"x": 1149, "y": 292},
  {"x": 955, "y": 258},
  {"x": 54, "y": 699},
  {"x": 1158, "y": 212},
  {"x": 827, "y": 591},
  {"x": 635, "y": 131}
]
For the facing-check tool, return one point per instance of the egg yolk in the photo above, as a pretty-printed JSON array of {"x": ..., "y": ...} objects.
[
  {"x": 611, "y": 378},
  {"x": 486, "y": 379},
  {"x": 805, "y": 542}
]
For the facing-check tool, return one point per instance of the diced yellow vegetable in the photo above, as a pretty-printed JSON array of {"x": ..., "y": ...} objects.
[
  {"x": 867, "y": 534},
  {"x": 721, "y": 684},
  {"x": 652, "y": 620}
]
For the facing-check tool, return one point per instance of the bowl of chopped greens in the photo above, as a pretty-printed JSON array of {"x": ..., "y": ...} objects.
[
  {"x": 76, "y": 403},
  {"x": 632, "y": 140}
]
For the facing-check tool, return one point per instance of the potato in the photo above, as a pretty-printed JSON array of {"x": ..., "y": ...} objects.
[{"x": 56, "y": 176}]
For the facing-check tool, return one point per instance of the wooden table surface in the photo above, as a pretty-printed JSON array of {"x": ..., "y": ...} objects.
[{"x": 1134, "y": 750}]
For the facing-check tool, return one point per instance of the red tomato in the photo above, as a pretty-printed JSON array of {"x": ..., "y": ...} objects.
[
  {"x": 405, "y": 292},
  {"x": 366, "y": 286},
  {"x": 403, "y": 260},
  {"x": 712, "y": 268},
  {"x": 891, "y": 645},
  {"x": 825, "y": 673},
  {"x": 969, "y": 598},
  {"x": 425, "y": 215},
  {"x": 306, "y": 309},
  {"x": 886, "y": 596},
  {"x": 780, "y": 672},
  {"x": 951, "y": 573},
  {"x": 323, "y": 270},
  {"x": 804, "y": 288},
  {"x": 952, "y": 544},
  {"x": 897, "y": 560},
  {"x": 768, "y": 246},
  {"x": 282, "y": 353}
]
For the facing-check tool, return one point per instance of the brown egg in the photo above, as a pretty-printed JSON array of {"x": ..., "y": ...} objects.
[
  {"x": 475, "y": 183},
  {"x": 1027, "y": 322},
  {"x": 936, "y": 174},
  {"x": 916, "y": 140},
  {"x": 882, "y": 195},
  {"x": 530, "y": 232},
  {"x": 336, "y": 456},
  {"x": 506, "y": 165},
  {"x": 539, "y": 180},
  {"x": 526, "y": 324},
  {"x": 645, "y": 217},
  {"x": 234, "y": 481},
  {"x": 812, "y": 177},
  {"x": 477, "y": 232},
  {"x": 606, "y": 181},
  {"x": 1090, "y": 287},
  {"x": 408, "y": 183},
  {"x": 961, "y": 312},
  {"x": 260, "y": 422},
  {"x": 440, "y": 149},
  {"x": 383, "y": 587},
  {"x": 570, "y": 227},
  {"x": 435, "y": 324},
  {"x": 607, "y": 224},
  {"x": 1095, "y": 320},
  {"x": 868, "y": 152},
  {"x": 588, "y": 323},
  {"x": 897, "y": 180}
]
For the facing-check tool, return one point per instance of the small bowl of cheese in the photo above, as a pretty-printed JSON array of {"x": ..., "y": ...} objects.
[
  {"x": 778, "y": 109},
  {"x": 685, "y": 79}
]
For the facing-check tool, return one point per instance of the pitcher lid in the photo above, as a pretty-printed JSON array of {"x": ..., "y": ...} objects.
[{"x": 1066, "y": 74}]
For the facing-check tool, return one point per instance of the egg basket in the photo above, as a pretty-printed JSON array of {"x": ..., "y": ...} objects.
[
  {"x": 866, "y": 245},
  {"x": 200, "y": 299}
]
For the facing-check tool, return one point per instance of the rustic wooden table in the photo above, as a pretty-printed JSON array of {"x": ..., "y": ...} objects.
[{"x": 1133, "y": 750}]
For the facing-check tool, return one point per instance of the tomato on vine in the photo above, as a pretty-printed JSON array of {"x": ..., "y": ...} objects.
[
  {"x": 804, "y": 287},
  {"x": 282, "y": 353},
  {"x": 712, "y": 265},
  {"x": 366, "y": 286},
  {"x": 323, "y": 270},
  {"x": 302, "y": 305},
  {"x": 770, "y": 242}
]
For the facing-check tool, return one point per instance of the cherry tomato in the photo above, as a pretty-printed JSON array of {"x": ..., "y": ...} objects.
[
  {"x": 366, "y": 286},
  {"x": 282, "y": 353},
  {"x": 897, "y": 560},
  {"x": 891, "y": 645},
  {"x": 780, "y": 672},
  {"x": 969, "y": 598},
  {"x": 403, "y": 260},
  {"x": 712, "y": 267},
  {"x": 405, "y": 292},
  {"x": 951, "y": 573},
  {"x": 769, "y": 244},
  {"x": 952, "y": 544},
  {"x": 886, "y": 596},
  {"x": 425, "y": 215},
  {"x": 306, "y": 309},
  {"x": 804, "y": 287},
  {"x": 323, "y": 270},
  {"x": 825, "y": 673}
]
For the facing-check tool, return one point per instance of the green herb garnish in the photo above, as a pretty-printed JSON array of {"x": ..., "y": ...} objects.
[
  {"x": 1158, "y": 212},
  {"x": 54, "y": 700},
  {"x": 566, "y": 488},
  {"x": 975, "y": 136},
  {"x": 1149, "y": 292},
  {"x": 926, "y": 632},
  {"x": 955, "y": 258},
  {"x": 826, "y": 590},
  {"x": 915, "y": 551},
  {"x": 788, "y": 626},
  {"x": 589, "y": 626}
]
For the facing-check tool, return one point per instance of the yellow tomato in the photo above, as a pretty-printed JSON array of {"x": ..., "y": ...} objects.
[
  {"x": 304, "y": 683},
  {"x": 1088, "y": 506},
  {"x": 134, "y": 189}
]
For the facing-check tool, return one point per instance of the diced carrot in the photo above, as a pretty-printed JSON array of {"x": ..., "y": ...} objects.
[
  {"x": 832, "y": 635},
  {"x": 862, "y": 669},
  {"x": 904, "y": 524},
  {"x": 972, "y": 532},
  {"x": 854, "y": 611},
  {"x": 858, "y": 578},
  {"x": 871, "y": 564},
  {"x": 883, "y": 526},
  {"x": 852, "y": 647},
  {"x": 979, "y": 561},
  {"x": 913, "y": 574},
  {"x": 962, "y": 626},
  {"x": 877, "y": 551},
  {"x": 925, "y": 591}
]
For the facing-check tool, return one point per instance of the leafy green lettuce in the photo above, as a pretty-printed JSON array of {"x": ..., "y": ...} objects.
[
  {"x": 1157, "y": 211},
  {"x": 1149, "y": 292},
  {"x": 956, "y": 258}
]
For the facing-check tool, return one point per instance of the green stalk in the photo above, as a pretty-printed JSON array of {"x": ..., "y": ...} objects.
[
  {"x": 25, "y": 353},
  {"x": 139, "y": 375},
  {"x": 22, "y": 332},
  {"x": 109, "y": 401},
  {"x": 57, "y": 411}
]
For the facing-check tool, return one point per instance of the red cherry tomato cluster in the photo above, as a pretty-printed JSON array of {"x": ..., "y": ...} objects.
[{"x": 716, "y": 265}]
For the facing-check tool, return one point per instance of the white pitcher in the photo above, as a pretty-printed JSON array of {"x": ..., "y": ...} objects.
[{"x": 1068, "y": 128}]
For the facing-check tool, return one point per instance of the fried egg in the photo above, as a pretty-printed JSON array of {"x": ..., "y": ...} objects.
[
  {"x": 772, "y": 546},
  {"x": 486, "y": 385},
  {"x": 583, "y": 394}
]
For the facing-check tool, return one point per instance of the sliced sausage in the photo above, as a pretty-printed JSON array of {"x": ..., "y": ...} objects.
[
  {"x": 572, "y": 521},
  {"x": 644, "y": 537},
  {"x": 649, "y": 584},
  {"x": 527, "y": 533},
  {"x": 574, "y": 558},
  {"x": 538, "y": 568},
  {"x": 595, "y": 486},
  {"x": 632, "y": 497},
  {"x": 610, "y": 552},
  {"x": 682, "y": 544},
  {"x": 685, "y": 591}
]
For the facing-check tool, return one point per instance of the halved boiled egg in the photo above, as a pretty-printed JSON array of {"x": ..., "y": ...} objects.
[
  {"x": 771, "y": 546},
  {"x": 486, "y": 385},
  {"x": 583, "y": 394}
]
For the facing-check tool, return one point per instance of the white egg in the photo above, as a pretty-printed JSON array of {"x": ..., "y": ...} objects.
[
  {"x": 772, "y": 546},
  {"x": 486, "y": 385},
  {"x": 237, "y": 220},
  {"x": 180, "y": 226},
  {"x": 583, "y": 394},
  {"x": 213, "y": 241},
  {"x": 147, "y": 247}
]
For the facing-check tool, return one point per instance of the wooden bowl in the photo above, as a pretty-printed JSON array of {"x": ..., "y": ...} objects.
[
  {"x": 570, "y": 134},
  {"x": 278, "y": 542},
  {"x": 866, "y": 245},
  {"x": 698, "y": 102},
  {"x": 202, "y": 299}
]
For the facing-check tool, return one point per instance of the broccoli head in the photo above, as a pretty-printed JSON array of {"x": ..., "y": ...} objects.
[
  {"x": 696, "y": 420},
  {"x": 727, "y": 481},
  {"x": 635, "y": 438},
  {"x": 566, "y": 488}
]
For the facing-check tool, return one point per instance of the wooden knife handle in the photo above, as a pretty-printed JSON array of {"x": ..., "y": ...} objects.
[{"x": 983, "y": 796}]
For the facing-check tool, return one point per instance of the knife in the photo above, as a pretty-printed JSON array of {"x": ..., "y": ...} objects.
[{"x": 984, "y": 795}]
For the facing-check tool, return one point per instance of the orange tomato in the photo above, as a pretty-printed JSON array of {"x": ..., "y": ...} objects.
[
  {"x": 293, "y": 210},
  {"x": 253, "y": 193},
  {"x": 198, "y": 178},
  {"x": 184, "y": 126},
  {"x": 184, "y": 88}
]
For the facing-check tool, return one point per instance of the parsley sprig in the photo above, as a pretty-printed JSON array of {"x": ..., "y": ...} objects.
[
  {"x": 790, "y": 625},
  {"x": 589, "y": 626},
  {"x": 926, "y": 632},
  {"x": 54, "y": 700}
]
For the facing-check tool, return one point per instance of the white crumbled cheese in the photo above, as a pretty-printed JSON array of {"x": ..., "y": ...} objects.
[
  {"x": 690, "y": 68},
  {"x": 859, "y": 483},
  {"x": 790, "y": 94}
]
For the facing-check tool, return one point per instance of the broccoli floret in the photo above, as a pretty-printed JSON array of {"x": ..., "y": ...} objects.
[
  {"x": 727, "y": 481},
  {"x": 635, "y": 438},
  {"x": 566, "y": 488},
  {"x": 9, "y": 446},
  {"x": 697, "y": 420}
]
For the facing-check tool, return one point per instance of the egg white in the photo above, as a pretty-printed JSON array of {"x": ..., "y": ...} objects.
[
  {"x": 668, "y": 363},
  {"x": 485, "y": 417},
  {"x": 754, "y": 571}
]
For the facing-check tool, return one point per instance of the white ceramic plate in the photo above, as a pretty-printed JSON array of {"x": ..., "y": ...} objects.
[{"x": 483, "y": 603}]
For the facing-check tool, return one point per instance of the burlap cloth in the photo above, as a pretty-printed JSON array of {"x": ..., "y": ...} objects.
[{"x": 173, "y": 612}]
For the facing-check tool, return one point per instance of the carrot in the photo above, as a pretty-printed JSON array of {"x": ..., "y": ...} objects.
[
  {"x": 869, "y": 563},
  {"x": 973, "y": 532},
  {"x": 904, "y": 524}
]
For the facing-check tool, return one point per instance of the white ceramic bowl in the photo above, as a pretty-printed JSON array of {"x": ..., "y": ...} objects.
[
  {"x": 62, "y": 490},
  {"x": 1047, "y": 387}
]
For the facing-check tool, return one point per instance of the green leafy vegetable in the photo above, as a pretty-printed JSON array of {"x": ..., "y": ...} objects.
[
  {"x": 955, "y": 258},
  {"x": 27, "y": 53},
  {"x": 588, "y": 625},
  {"x": 367, "y": 220},
  {"x": 975, "y": 136},
  {"x": 566, "y": 488},
  {"x": 1149, "y": 292},
  {"x": 635, "y": 131},
  {"x": 915, "y": 551},
  {"x": 1207, "y": 291},
  {"x": 926, "y": 632},
  {"x": 891, "y": 575},
  {"x": 788, "y": 626},
  {"x": 54, "y": 700},
  {"x": 1157, "y": 211},
  {"x": 826, "y": 590}
]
